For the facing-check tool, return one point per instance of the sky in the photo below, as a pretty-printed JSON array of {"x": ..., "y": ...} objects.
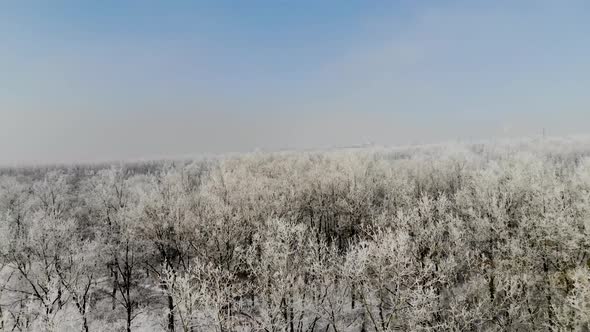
[{"x": 86, "y": 81}]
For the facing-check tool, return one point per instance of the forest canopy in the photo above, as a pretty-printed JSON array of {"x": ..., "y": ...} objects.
[{"x": 490, "y": 236}]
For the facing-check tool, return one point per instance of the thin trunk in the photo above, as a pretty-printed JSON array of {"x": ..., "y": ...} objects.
[
  {"x": 127, "y": 280},
  {"x": 129, "y": 318},
  {"x": 491, "y": 288},
  {"x": 85, "y": 324},
  {"x": 291, "y": 314},
  {"x": 115, "y": 284},
  {"x": 381, "y": 317},
  {"x": 550, "y": 312},
  {"x": 170, "y": 313},
  {"x": 353, "y": 300},
  {"x": 284, "y": 309}
]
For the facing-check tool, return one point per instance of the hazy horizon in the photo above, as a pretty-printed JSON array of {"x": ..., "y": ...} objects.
[{"x": 88, "y": 82}]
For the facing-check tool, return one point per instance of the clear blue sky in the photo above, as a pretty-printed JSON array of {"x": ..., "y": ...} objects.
[{"x": 101, "y": 80}]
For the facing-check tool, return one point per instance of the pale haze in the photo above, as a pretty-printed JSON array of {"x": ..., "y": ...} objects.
[{"x": 112, "y": 80}]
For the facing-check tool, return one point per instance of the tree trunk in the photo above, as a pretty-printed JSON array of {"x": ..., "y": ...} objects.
[
  {"x": 129, "y": 318},
  {"x": 491, "y": 288},
  {"x": 115, "y": 284},
  {"x": 85, "y": 324},
  {"x": 170, "y": 313},
  {"x": 352, "y": 299},
  {"x": 291, "y": 314},
  {"x": 550, "y": 311}
]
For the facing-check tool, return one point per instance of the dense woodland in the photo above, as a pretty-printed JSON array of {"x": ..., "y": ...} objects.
[{"x": 454, "y": 237}]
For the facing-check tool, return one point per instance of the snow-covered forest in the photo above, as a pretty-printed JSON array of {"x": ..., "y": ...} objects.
[{"x": 490, "y": 236}]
